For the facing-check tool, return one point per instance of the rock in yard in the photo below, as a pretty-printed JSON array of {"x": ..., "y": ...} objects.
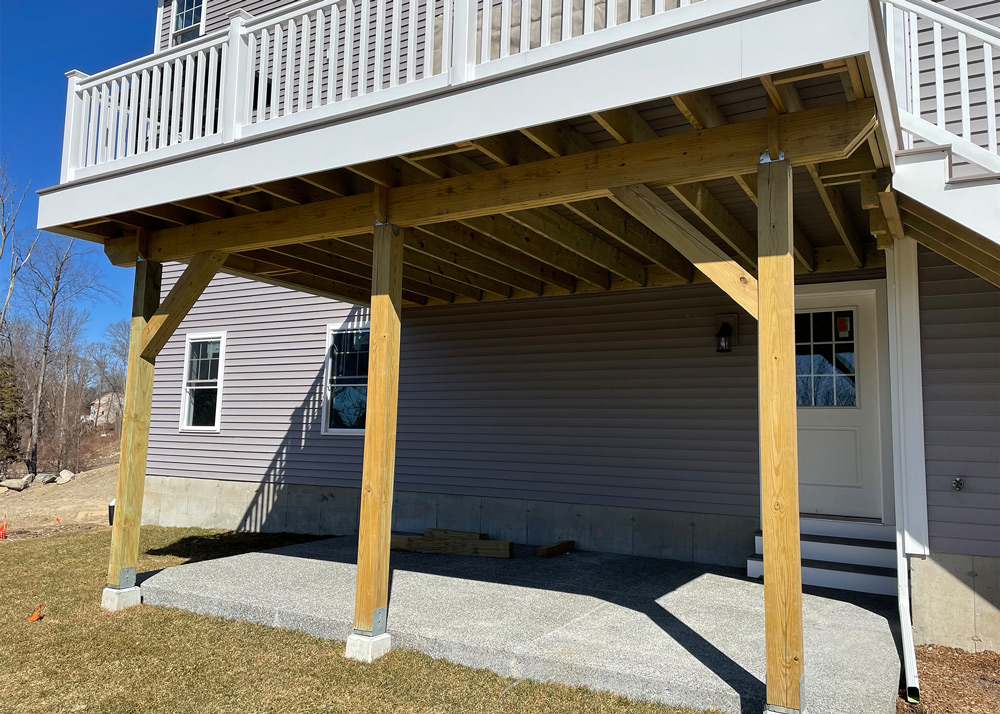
[
  {"x": 66, "y": 473},
  {"x": 16, "y": 484},
  {"x": 64, "y": 477},
  {"x": 46, "y": 478}
]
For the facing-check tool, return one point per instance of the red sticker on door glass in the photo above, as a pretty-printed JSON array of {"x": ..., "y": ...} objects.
[{"x": 843, "y": 327}]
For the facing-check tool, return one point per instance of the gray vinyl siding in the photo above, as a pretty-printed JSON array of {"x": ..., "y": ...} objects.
[
  {"x": 616, "y": 399},
  {"x": 960, "y": 345}
]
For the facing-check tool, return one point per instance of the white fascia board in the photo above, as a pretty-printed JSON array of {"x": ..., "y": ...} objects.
[{"x": 786, "y": 37}]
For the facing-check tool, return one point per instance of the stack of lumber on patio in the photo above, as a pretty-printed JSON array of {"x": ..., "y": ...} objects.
[{"x": 437, "y": 540}]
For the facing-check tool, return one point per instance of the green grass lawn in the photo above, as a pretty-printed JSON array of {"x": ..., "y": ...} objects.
[{"x": 79, "y": 658}]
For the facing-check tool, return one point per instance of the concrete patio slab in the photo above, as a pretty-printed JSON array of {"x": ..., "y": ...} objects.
[{"x": 646, "y": 628}]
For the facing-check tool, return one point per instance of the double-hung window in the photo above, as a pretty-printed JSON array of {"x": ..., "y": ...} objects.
[
  {"x": 346, "y": 396},
  {"x": 188, "y": 20},
  {"x": 204, "y": 358}
]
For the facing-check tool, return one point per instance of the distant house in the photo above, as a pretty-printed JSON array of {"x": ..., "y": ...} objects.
[
  {"x": 713, "y": 281},
  {"x": 105, "y": 411}
]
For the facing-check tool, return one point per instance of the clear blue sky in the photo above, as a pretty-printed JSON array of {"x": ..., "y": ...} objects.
[{"x": 40, "y": 40}]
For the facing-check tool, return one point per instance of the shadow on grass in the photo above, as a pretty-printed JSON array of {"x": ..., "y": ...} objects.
[{"x": 195, "y": 548}]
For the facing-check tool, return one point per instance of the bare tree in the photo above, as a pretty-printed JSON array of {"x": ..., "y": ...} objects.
[
  {"x": 10, "y": 206},
  {"x": 71, "y": 324},
  {"x": 58, "y": 276}
]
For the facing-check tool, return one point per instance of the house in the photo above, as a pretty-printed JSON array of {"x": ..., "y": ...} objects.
[
  {"x": 654, "y": 276},
  {"x": 105, "y": 411}
]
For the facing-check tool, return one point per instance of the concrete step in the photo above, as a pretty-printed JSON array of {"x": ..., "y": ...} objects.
[
  {"x": 841, "y": 576},
  {"x": 851, "y": 551}
]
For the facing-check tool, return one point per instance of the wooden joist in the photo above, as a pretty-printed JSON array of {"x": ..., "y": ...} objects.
[
  {"x": 445, "y": 533},
  {"x": 810, "y": 136}
]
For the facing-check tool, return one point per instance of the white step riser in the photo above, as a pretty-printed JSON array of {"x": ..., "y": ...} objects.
[
  {"x": 856, "y": 582},
  {"x": 838, "y": 553}
]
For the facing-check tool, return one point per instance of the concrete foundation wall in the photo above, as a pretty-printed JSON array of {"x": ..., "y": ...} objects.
[
  {"x": 331, "y": 510},
  {"x": 956, "y": 601}
]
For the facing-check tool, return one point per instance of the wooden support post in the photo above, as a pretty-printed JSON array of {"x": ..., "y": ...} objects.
[
  {"x": 372, "y": 587},
  {"x": 135, "y": 432},
  {"x": 779, "y": 483}
]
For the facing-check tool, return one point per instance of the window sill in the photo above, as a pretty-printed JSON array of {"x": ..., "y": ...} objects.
[
  {"x": 200, "y": 430},
  {"x": 342, "y": 432}
]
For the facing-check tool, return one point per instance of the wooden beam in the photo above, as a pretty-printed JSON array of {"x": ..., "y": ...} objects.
[
  {"x": 335, "y": 218},
  {"x": 779, "y": 480},
  {"x": 785, "y": 98},
  {"x": 722, "y": 270},
  {"x": 179, "y": 301},
  {"x": 135, "y": 432},
  {"x": 371, "y": 596},
  {"x": 807, "y": 137},
  {"x": 847, "y": 170},
  {"x": 890, "y": 209}
]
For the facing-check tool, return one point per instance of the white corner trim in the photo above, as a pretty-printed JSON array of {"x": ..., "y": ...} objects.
[
  {"x": 188, "y": 339},
  {"x": 157, "y": 38},
  {"x": 906, "y": 382}
]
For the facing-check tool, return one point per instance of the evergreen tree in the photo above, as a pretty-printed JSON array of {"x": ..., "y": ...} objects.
[{"x": 11, "y": 410}]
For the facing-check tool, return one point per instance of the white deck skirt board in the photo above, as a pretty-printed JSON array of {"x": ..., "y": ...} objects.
[
  {"x": 923, "y": 176},
  {"x": 810, "y": 32}
]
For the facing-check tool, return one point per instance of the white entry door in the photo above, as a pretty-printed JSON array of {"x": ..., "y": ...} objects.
[{"x": 841, "y": 399}]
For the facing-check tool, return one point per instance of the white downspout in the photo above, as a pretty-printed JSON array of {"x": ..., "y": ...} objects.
[{"x": 909, "y": 477}]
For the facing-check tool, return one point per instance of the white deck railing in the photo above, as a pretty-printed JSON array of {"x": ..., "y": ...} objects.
[
  {"x": 313, "y": 61},
  {"x": 946, "y": 71}
]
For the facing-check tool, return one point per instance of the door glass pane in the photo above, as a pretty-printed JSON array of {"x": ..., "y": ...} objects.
[
  {"x": 822, "y": 327},
  {"x": 803, "y": 332},
  {"x": 844, "y": 361},
  {"x": 803, "y": 359},
  {"x": 803, "y": 391},
  {"x": 823, "y": 391},
  {"x": 825, "y": 359},
  {"x": 846, "y": 396}
]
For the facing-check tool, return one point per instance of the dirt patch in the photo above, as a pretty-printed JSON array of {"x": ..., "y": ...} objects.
[
  {"x": 953, "y": 681},
  {"x": 80, "y": 504}
]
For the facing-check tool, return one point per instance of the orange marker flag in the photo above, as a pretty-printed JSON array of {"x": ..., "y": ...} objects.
[
  {"x": 58, "y": 521},
  {"x": 3, "y": 529},
  {"x": 37, "y": 616}
]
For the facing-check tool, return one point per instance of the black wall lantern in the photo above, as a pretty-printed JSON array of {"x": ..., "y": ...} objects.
[{"x": 726, "y": 336}]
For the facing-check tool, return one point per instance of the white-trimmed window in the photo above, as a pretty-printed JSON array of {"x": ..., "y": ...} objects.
[
  {"x": 204, "y": 364},
  {"x": 346, "y": 395},
  {"x": 188, "y": 21}
]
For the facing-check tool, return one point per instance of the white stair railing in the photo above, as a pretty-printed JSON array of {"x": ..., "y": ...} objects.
[{"x": 946, "y": 70}]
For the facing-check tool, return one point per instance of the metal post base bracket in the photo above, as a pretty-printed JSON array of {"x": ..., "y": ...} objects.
[
  {"x": 115, "y": 599},
  {"x": 365, "y": 648}
]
